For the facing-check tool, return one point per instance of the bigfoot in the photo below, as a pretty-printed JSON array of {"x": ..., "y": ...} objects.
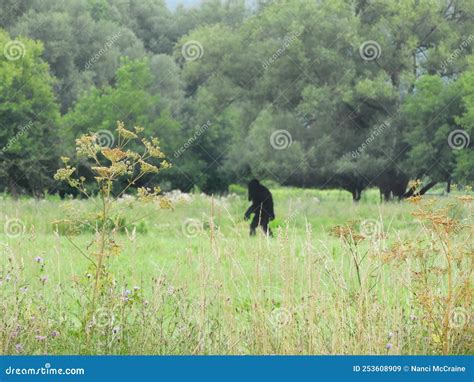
[{"x": 262, "y": 207}]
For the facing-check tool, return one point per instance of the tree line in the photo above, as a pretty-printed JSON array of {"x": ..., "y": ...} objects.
[{"x": 345, "y": 93}]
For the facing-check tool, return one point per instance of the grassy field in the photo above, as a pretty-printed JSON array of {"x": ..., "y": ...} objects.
[{"x": 337, "y": 278}]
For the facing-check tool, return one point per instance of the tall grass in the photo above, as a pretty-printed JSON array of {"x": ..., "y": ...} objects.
[{"x": 338, "y": 278}]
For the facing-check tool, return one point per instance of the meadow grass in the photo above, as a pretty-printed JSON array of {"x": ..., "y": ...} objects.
[{"x": 337, "y": 278}]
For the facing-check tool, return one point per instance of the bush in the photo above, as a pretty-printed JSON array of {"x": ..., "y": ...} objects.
[{"x": 238, "y": 189}]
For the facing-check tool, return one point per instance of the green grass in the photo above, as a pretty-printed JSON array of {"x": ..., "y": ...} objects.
[{"x": 193, "y": 291}]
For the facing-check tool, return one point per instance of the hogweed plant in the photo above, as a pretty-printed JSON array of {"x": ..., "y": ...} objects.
[
  {"x": 441, "y": 263},
  {"x": 131, "y": 159}
]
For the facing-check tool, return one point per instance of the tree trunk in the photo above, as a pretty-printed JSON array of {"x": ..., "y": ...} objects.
[
  {"x": 354, "y": 195},
  {"x": 448, "y": 186},
  {"x": 13, "y": 189},
  {"x": 385, "y": 194},
  {"x": 409, "y": 193},
  {"x": 426, "y": 188}
]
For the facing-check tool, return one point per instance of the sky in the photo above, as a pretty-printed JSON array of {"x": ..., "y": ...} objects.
[{"x": 172, "y": 4}]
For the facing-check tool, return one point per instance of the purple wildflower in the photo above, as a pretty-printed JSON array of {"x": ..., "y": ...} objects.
[
  {"x": 43, "y": 279},
  {"x": 39, "y": 259},
  {"x": 19, "y": 348},
  {"x": 40, "y": 338},
  {"x": 125, "y": 295},
  {"x": 388, "y": 346}
]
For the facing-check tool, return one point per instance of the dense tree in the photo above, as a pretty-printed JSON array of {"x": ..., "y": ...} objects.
[
  {"x": 365, "y": 94},
  {"x": 28, "y": 118},
  {"x": 464, "y": 167},
  {"x": 81, "y": 51},
  {"x": 431, "y": 112},
  {"x": 348, "y": 88},
  {"x": 133, "y": 99}
]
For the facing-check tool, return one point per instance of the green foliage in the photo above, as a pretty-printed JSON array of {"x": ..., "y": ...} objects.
[
  {"x": 430, "y": 153},
  {"x": 134, "y": 98},
  {"x": 238, "y": 190},
  {"x": 355, "y": 120},
  {"x": 29, "y": 118},
  {"x": 119, "y": 224},
  {"x": 464, "y": 169}
]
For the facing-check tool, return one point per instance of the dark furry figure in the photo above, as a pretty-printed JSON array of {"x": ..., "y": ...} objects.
[{"x": 262, "y": 207}]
